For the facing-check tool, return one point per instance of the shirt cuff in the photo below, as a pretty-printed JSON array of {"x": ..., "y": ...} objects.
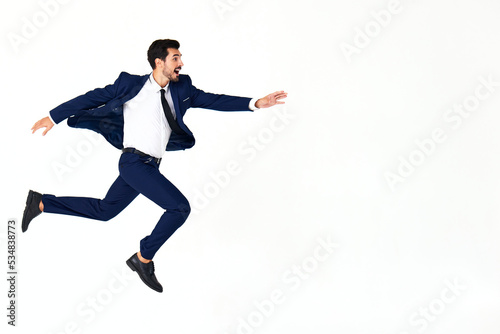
[
  {"x": 252, "y": 104},
  {"x": 52, "y": 119}
]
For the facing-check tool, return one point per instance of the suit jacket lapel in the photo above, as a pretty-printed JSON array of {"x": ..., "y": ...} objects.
[{"x": 175, "y": 97}]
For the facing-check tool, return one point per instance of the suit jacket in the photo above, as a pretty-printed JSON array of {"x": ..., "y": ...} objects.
[{"x": 101, "y": 109}]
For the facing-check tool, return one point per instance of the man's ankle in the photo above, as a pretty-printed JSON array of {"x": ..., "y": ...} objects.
[
  {"x": 40, "y": 206},
  {"x": 143, "y": 260}
]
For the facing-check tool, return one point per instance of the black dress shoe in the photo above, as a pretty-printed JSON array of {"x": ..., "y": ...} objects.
[
  {"x": 146, "y": 272},
  {"x": 32, "y": 208}
]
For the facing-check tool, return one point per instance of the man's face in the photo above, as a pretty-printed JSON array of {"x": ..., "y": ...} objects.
[{"x": 172, "y": 65}]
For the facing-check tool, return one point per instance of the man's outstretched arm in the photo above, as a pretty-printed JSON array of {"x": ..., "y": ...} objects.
[
  {"x": 222, "y": 102},
  {"x": 90, "y": 100}
]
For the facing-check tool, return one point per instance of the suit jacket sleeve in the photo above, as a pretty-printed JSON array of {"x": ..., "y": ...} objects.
[
  {"x": 88, "y": 101},
  {"x": 220, "y": 102}
]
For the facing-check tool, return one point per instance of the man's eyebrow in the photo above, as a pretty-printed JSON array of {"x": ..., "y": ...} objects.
[{"x": 177, "y": 55}]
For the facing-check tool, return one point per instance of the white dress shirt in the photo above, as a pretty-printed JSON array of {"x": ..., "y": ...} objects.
[{"x": 145, "y": 125}]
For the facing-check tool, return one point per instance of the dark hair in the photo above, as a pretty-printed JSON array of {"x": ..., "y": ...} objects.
[{"x": 158, "y": 49}]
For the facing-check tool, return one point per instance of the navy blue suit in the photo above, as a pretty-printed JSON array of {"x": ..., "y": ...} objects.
[{"x": 101, "y": 110}]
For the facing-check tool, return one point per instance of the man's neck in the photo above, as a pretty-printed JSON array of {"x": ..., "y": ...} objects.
[{"x": 160, "y": 79}]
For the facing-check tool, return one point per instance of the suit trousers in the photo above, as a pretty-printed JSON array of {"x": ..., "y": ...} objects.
[{"x": 138, "y": 175}]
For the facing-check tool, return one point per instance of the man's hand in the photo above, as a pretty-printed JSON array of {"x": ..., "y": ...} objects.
[
  {"x": 271, "y": 99},
  {"x": 43, "y": 123}
]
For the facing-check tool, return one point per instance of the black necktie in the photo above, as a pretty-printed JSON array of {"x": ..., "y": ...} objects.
[{"x": 168, "y": 114}]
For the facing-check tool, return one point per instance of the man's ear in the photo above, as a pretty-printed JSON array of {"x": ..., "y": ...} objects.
[{"x": 158, "y": 62}]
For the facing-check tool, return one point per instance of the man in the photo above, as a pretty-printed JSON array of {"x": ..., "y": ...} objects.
[{"x": 142, "y": 116}]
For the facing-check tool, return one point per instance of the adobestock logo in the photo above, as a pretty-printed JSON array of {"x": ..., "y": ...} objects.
[
  {"x": 88, "y": 310},
  {"x": 224, "y": 6},
  {"x": 428, "y": 314},
  {"x": 453, "y": 118},
  {"x": 75, "y": 154},
  {"x": 293, "y": 278},
  {"x": 248, "y": 150},
  {"x": 371, "y": 30},
  {"x": 30, "y": 27}
]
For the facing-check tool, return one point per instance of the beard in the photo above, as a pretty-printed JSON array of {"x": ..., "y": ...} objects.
[{"x": 171, "y": 76}]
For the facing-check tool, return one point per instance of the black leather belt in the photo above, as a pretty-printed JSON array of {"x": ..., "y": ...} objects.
[{"x": 142, "y": 154}]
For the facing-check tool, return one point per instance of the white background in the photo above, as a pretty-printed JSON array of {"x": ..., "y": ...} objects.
[{"x": 322, "y": 176}]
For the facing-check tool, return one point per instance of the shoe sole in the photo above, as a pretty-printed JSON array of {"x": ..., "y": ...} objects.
[
  {"x": 132, "y": 266},
  {"x": 29, "y": 199}
]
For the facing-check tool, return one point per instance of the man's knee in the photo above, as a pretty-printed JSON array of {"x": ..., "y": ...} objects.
[
  {"x": 107, "y": 212},
  {"x": 184, "y": 208}
]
